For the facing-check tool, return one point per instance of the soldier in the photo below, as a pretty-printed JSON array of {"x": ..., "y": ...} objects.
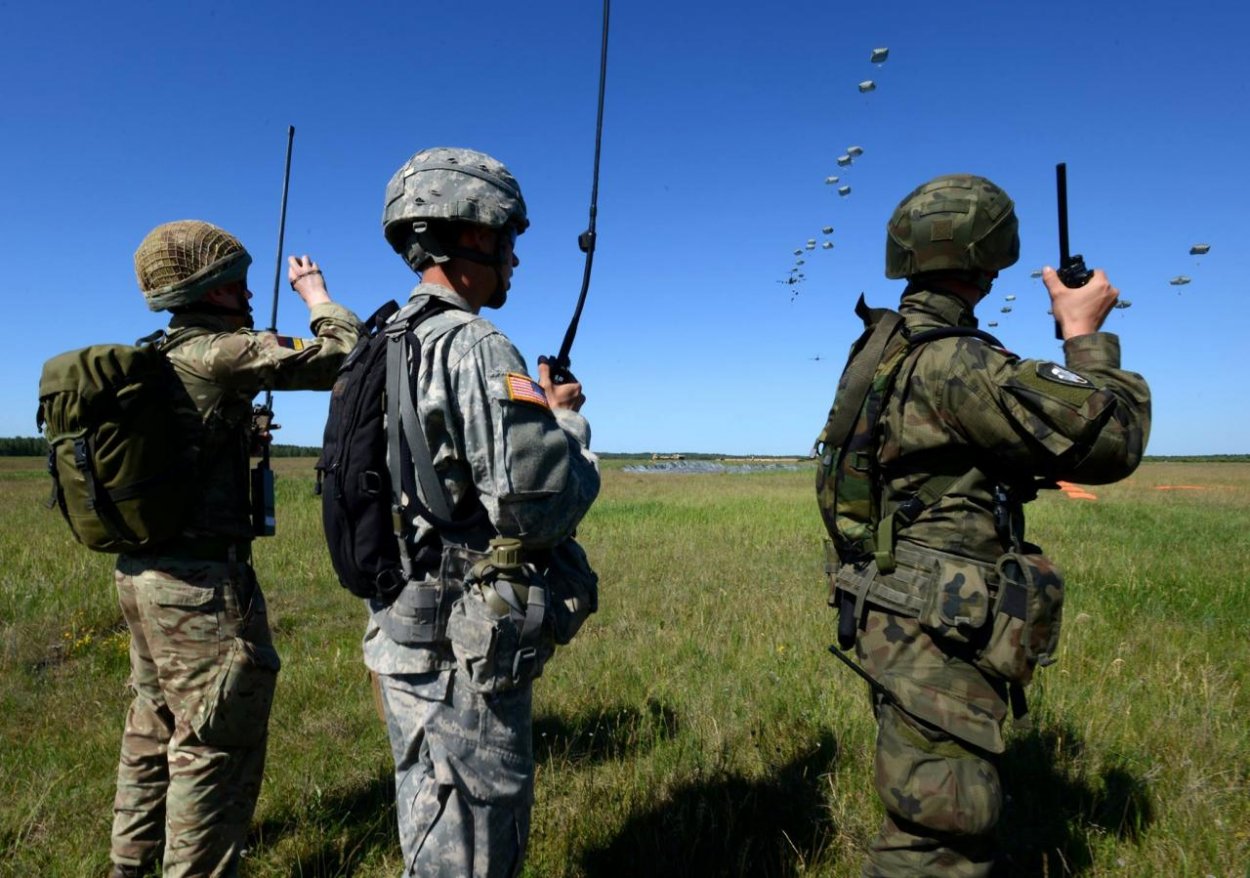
[
  {"x": 203, "y": 666},
  {"x": 510, "y": 459},
  {"x": 947, "y": 606}
]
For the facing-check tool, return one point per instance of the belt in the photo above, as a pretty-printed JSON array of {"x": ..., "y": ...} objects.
[{"x": 220, "y": 549}]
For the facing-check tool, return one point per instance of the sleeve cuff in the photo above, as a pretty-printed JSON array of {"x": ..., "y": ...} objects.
[
  {"x": 1096, "y": 350},
  {"x": 331, "y": 311}
]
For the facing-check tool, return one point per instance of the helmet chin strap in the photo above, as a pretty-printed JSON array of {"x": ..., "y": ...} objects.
[{"x": 495, "y": 263}]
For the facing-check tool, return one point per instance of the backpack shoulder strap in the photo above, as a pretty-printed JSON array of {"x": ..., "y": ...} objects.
[{"x": 881, "y": 325}]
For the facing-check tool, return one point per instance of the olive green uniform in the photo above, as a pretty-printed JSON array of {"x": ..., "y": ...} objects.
[
  {"x": 962, "y": 407},
  {"x": 203, "y": 666}
]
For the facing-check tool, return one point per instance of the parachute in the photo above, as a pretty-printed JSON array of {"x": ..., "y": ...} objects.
[
  {"x": 992, "y": 324},
  {"x": 844, "y": 190},
  {"x": 1122, "y": 304},
  {"x": 1035, "y": 273},
  {"x": 855, "y": 151},
  {"x": 1009, "y": 299},
  {"x": 879, "y": 55},
  {"x": 866, "y": 86},
  {"x": 1199, "y": 249},
  {"x": 1006, "y": 309},
  {"x": 828, "y": 230},
  {"x": 828, "y": 245},
  {"x": 829, "y": 181},
  {"x": 1179, "y": 281},
  {"x": 844, "y": 160}
]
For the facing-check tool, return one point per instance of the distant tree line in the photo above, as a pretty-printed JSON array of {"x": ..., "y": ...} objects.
[{"x": 37, "y": 446}]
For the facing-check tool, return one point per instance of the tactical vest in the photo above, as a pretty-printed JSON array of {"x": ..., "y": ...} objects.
[{"x": 848, "y": 478}]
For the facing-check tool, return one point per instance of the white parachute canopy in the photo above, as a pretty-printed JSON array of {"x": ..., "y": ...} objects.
[
  {"x": 855, "y": 151},
  {"x": 844, "y": 160},
  {"x": 1199, "y": 249},
  {"x": 828, "y": 245},
  {"x": 1009, "y": 298},
  {"x": 866, "y": 86},
  {"x": 879, "y": 55},
  {"x": 844, "y": 190},
  {"x": 829, "y": 181}
]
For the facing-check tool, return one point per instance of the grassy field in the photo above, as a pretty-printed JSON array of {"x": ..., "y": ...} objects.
[{"x": 697, "y": 726}]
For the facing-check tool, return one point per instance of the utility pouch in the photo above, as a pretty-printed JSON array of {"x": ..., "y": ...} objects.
[
  {"x": 418, "y": 615},
  {"x": 956, "y": 603},
  {"x": 235, "y": 711},
  {"x": 572, "y": 588},
  {"x": 1027, "y": 614},
  {"x": 488, "y": 649}
]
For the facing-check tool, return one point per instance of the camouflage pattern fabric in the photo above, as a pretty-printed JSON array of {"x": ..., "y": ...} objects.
[
  {"x": 463, "y": 757},
  {"x": 203, "y": 671},
  {"x": 962, "y": 406},
  {"x": 223, "y": 370},
  {"x": 464, "y": 775},
  {"x": 202, "y": 664},
  {"x": 958, "y": 222}
]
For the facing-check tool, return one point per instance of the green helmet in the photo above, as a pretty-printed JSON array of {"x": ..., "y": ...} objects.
[
  {"x": 954, "y": 223},
  {"x": 448, "y": 184},
  {"x": 178, "y": 262}
]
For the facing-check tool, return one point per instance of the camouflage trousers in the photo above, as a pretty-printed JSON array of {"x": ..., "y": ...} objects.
[
  {"x": 203, "y": 671},
  {"x": 936, "y": 761},
  {"x": 464, "y": 774}
]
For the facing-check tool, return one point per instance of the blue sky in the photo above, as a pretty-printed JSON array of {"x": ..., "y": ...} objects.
[{"x": 722, "y": 121}]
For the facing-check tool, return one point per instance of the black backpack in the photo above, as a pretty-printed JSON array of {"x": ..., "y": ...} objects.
[{"x": 366, "y": 532}]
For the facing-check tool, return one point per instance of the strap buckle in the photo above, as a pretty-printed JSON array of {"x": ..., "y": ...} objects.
[{"x": 526, "y": 659}]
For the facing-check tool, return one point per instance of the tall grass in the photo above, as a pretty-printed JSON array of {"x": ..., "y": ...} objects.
[{"x": 696, "y": 726}]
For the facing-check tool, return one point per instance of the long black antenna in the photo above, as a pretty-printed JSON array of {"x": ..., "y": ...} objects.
[
  {"x": 277, "y": 269},
  {"x": 1061, "y": 192},
  {"x": 586, "y": 240}
]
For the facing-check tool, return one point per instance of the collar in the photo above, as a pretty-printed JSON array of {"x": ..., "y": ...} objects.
[
  {"x": 932, "y": 307},
  {"x": 441, "y": 292},
  {"x": 210, "y": 322}
]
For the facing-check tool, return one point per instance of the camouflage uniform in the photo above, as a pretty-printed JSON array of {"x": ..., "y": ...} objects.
[
  {"x": 965, "y": 406},
  {"x": 203, "y": 666},
  {"x": 982, "y": 420},
  {"x": 464, "y": 765}
]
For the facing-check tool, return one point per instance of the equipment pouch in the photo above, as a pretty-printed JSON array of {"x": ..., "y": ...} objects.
[
  {"x": 956, "y": 603},
  {"x": 235, "y": 711},
  {"x": 488, "y": 648},
  {"x": 573, "y": 589},
  {"x": 1027, "y": 614}
]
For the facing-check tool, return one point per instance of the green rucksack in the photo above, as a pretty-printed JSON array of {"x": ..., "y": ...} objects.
[
  {"x": 848, "y": 484},
  {"x": 123, "y": 436}
]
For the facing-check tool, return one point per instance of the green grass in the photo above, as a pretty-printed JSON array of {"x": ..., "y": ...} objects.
[{"x": 696, "y": 726}]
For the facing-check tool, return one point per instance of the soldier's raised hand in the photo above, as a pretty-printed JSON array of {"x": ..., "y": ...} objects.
[
  {"x": 1080, "y": 310},
  {"x": 561, "y": 396},
  {"x": 307, "y": 280}
]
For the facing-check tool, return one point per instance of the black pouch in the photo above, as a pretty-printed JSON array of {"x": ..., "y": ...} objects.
[{"x": 1027, "y": 614}]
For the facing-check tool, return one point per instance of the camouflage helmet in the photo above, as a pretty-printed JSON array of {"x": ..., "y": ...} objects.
[
  {"x": 178, "y": 262},
  {"x": 957, "y": 222},
  {"x": 445, "y": 183}
]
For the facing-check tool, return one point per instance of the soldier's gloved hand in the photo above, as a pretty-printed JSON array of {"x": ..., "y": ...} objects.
[
  {"x": 1082, "y": 310},
  {"x": 307, "y": 280},
  {"x": 560, "y": 396}
]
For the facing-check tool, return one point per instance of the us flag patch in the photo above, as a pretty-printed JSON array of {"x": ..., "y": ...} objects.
[
  {"x": 522, "y": 388},
  {"x": 290, "y": 341}
]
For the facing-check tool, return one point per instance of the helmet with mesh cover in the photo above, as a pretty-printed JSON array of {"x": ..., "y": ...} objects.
[{"x": 179, "y": 262}]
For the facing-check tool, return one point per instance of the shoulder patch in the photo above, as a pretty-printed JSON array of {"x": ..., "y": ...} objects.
[
  {"x": 522, "y": 388},
  {"x": 290, "y": 341},
  {"x": 1055, "y": 372}
]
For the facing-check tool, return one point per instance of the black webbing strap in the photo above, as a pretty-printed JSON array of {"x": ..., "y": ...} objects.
[{"x": 98, "y": 499}]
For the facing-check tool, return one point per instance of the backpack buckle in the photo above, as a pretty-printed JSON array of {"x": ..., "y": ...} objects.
[{"x": 526, "y": 659}]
